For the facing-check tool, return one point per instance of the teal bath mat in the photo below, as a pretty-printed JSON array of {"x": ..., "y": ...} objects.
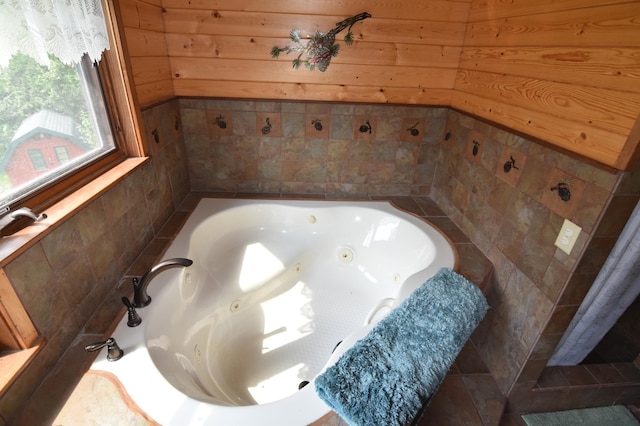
[
  {"x": 616, "y": 415},
  {"x": 387, "y": 376}
]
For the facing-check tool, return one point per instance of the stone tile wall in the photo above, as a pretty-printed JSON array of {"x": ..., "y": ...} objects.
[
  {"x": 336, "y": 150},
  {"x": 514, "y": 218}
]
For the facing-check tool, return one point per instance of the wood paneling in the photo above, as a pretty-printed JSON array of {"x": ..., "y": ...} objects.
[
  {"x": 437, "y": 10},
  {"x": 407, "y": 52},
  {"x": 280, "y": 72},
  {"x": 315, "y": 92},
  {"x": 611, "y": 25},
  {"x": 607, "y": 67},
  {"x": 582, "y": 104},
  {"x": 144, "y": 30},
  {"x": 361, "y": 52},
  {"x": 566, "y": 72},
  {"x": 483, "y": 10}
]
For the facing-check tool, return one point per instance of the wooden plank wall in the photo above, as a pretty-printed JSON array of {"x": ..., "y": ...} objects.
[
  {"x": 407, "y": 52},
  {"x": 143, "y": 23},
  {"x": 564, "y": 71}
]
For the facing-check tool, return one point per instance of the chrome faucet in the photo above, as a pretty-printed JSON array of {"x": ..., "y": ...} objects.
[
  {"x": 12, "y": 216},
  {"x": 140, "y": 296}
]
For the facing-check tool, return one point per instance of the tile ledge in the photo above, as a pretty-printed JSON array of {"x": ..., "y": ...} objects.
[
  {"x": 13, "y": 245},
  {"x": 624, "y": 381}
]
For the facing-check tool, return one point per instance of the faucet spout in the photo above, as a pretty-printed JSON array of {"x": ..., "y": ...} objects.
[{"x": 140, "y": 296}]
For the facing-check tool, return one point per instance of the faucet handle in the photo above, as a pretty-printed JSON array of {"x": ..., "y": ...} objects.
[
  {"x": 13, "y": 220},
  {"x": 114, "y": 352},
  {"x": 134, "y": 319}
]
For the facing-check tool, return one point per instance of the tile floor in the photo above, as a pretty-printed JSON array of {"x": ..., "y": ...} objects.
[{"x": 468, "y": 396}]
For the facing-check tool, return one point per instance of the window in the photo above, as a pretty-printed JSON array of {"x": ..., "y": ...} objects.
[
  {"x": 49, "y": 111},
  {"x": 87, "y": 107},
  {"x": 37, "y": 159},
  {"x": 61, "y": 154}
]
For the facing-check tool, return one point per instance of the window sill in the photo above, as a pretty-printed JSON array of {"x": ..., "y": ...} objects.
[
  {"x": 13, "y": 245},
  {"x": 11, "y": 365}
]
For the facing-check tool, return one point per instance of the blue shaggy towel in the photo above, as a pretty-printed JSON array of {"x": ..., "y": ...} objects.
[{"x": 386, "y": 377}]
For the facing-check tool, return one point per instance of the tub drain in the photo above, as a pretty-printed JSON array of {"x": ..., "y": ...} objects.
[
  {"x": 235, "y": 305},
  {"x": 345, "y": 255}
]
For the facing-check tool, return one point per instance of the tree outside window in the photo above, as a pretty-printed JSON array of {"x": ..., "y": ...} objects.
[{"x": 56, "y": 111}]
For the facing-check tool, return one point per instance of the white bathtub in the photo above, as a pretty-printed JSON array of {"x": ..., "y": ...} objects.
[{"x": 274, "y": 287}]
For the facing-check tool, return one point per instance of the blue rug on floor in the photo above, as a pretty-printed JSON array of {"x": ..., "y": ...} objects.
[
  {"x": 616, "y": 415},
  {"x": 387, "y": 376}
]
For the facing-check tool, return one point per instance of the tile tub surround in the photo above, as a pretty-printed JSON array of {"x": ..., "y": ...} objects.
[
  {"x": 514, "y": 221},
  {"x": 298, "y": 156},
  {"x": 43, "y": 406}
]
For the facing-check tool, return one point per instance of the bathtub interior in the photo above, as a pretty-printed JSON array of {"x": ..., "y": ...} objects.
[{"x": 275, "y": 287}]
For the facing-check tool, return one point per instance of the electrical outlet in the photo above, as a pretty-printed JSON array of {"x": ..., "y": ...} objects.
[{"x": 567, "y": 236}]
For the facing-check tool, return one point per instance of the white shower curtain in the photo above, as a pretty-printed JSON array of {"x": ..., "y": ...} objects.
[{"x": 615, "y": 288}]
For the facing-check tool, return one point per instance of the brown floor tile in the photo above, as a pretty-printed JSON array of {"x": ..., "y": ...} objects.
[
  {"x": 469, "y": 361},
  {"x": 578, "y": 375},
  {"x": 487, "y": 398},
  {"x": 451, "y": 405},
  {"x": 406, "y": 203},
  {"x": 447, "y": 226},
  {"x": 512, "y": 420},
  {"x": 552, "y": 377},
  {"x": 605, "y": 373},
  {"x": 429, "y": 207}
]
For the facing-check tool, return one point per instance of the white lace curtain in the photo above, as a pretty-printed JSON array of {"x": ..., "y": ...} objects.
[{"x": 65, "y": 28}]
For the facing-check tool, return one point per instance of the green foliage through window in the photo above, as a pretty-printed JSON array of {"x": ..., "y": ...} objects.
[
  {"x": 49, "y": 109},
  {"x": 27, "y": 87}
]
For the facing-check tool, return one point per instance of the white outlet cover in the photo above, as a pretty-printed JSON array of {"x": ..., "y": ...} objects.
[{"x": 567, "y": 236}]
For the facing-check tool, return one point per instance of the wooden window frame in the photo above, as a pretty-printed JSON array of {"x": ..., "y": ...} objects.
[{"x": 120, "y": 98}]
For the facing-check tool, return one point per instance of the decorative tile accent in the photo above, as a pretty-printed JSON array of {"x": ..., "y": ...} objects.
[
  {"x": 317, "y": 126},
  {"x": 412, "y": 130},
  {"x": 475, "y": 146},
  {"x": 219, "y": 122},
  {"x": 365, "y": 128},
  {"x": 268, "y": 124},
  {"x": 511, "y": 166},
  {"x": 561, "y": 180}
]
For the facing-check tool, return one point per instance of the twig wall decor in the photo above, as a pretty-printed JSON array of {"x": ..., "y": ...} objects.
[{"x": 320, "y": 47}]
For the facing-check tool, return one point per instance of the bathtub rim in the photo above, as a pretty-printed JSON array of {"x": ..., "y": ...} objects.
[{"x": 190, "y": 206}]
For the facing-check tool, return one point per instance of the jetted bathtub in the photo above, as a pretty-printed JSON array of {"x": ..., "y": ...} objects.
[{"x": 278, "y": 290}]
